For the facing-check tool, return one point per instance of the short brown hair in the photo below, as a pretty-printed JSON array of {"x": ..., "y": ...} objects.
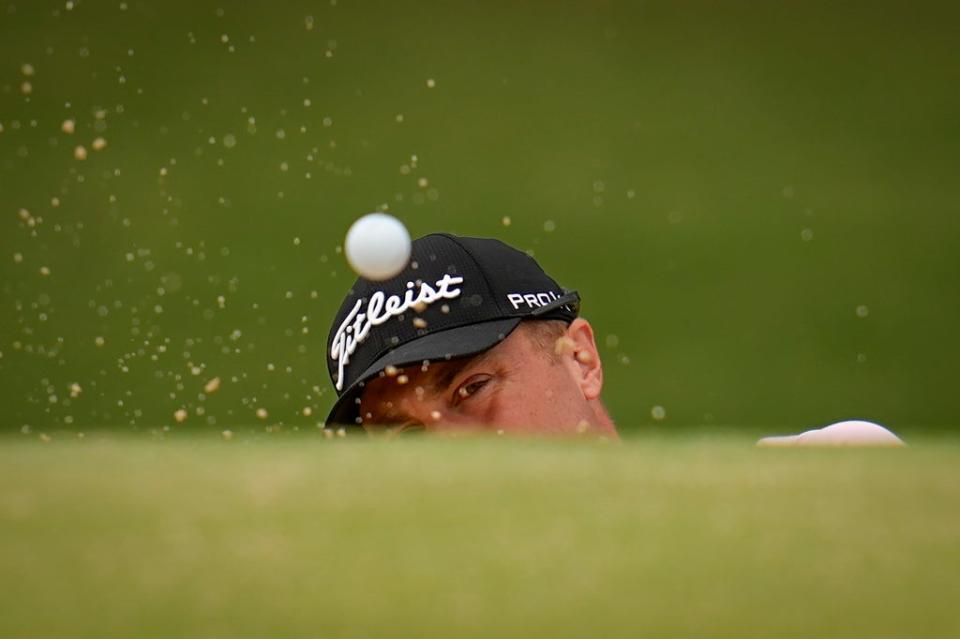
[{"x": 544, "y": 334}]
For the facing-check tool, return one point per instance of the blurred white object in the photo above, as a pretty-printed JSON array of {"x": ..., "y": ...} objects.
[
  {"x": 853, "y": 432},
  {"x": 377, "y": 246}
]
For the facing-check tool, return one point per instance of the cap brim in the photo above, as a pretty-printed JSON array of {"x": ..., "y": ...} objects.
[{"x": 461, "y": 341}]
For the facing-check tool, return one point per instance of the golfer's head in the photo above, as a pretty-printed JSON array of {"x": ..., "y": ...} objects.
[{"x": 472, "y": 335}]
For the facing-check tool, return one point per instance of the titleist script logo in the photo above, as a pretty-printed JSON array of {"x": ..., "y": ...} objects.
[
  {"x": 380, "y": 308},
  {"x": 531, "y": 300}
]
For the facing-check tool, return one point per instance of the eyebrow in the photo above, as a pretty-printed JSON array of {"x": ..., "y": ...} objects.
[{"x": 386, "y": 417}]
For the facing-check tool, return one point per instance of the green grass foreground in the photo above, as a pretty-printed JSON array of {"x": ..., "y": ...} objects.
[{"x": 696, "y": 537}]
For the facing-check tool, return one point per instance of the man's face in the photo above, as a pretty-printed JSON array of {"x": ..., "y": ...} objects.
[{"x": 519, "y": 386}]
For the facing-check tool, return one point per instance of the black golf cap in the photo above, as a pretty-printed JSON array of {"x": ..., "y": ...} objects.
[{"x": 457, "y": 296}]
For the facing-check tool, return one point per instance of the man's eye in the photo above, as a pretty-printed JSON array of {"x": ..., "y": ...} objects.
[{"x": 470, "y": 388}]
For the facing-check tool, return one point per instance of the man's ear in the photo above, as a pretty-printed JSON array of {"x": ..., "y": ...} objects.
[{"x": 585, "y": 362}]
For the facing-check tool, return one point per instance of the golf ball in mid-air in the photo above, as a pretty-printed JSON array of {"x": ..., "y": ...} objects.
[{"x": 377, "y": 246}]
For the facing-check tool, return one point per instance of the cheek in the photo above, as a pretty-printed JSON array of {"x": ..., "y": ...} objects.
[{"x": 544, "y": 397}]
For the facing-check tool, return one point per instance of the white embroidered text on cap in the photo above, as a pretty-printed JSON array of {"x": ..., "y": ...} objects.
[{"x": 356, "y": 326}]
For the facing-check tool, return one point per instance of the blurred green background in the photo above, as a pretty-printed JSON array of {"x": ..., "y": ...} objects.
[{"x": 757, "y": 201}]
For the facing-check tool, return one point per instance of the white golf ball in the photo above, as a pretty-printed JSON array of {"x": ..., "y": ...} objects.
[{"x": 377, "y": 246}]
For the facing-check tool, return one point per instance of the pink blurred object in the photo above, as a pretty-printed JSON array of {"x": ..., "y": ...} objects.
[{"x": 853, "y": 432}]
